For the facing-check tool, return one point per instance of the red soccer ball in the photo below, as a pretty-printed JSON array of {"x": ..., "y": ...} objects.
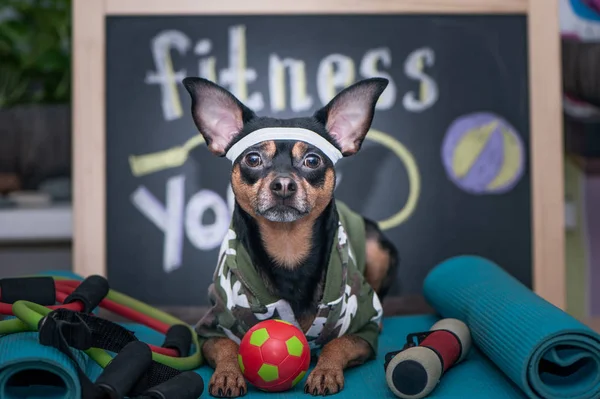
[{"x": 274, "y": 355}]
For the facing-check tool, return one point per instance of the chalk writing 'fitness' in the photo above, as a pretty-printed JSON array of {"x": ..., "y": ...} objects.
[
  {"x": 335, "y": 72},
  {"x": 177, "y": 219}
]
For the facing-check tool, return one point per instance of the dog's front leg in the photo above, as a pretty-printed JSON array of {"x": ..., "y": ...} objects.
[
  {"x": 227, "y": 380},
  {"x": 340, "y": 353}
]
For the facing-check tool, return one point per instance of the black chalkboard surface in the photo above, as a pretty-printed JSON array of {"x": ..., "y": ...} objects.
[{"x": 445, "y": 169}]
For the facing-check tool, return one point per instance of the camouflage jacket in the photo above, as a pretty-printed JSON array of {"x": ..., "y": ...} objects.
[{"x": 349, "y": 305}]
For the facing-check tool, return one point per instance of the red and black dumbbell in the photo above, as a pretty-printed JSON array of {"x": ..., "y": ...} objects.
[{"x": 415, "y": 371}]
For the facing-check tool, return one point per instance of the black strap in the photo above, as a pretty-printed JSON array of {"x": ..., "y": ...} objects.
[
  {"x": 63, "y": 329},
  {"x": 410, "y": 342},
  {"x": 52, "y": 333},
  {"x": 102, "y": 333}
]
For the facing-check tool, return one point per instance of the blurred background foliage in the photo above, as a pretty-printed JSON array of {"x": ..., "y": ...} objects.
[{"x": 35, "y": 52}]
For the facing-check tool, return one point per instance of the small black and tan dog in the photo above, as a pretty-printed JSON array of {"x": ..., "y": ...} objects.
[{"x": 292, "y": 251}]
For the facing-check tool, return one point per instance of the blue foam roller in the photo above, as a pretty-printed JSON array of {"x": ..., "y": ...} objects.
[{"x": 542, "y": 349}]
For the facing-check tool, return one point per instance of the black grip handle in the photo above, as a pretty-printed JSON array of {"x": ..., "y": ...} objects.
[
  {"x": 179, "y": 337},
  {"x": 90, "y": 292},
  {"x": 122, "y": 373},
  {"x": 187, "y": 385},
  {"x": 40, "y": 290}
]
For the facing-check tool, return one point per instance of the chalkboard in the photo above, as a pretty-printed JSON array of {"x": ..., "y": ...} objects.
[{"x": 445, "y": 169}]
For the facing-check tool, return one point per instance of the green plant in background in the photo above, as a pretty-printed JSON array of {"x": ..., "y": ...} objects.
[{"x": 35, "y": 52}]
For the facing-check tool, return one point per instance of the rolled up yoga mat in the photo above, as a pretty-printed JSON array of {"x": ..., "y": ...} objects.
[
  {"x": 30, "y": 370},
  {"x": 543, "y": 350}
]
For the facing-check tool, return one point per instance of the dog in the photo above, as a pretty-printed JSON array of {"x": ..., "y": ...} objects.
[{"x": 292, "y": 251}]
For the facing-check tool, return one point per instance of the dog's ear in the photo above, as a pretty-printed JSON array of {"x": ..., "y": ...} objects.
[
  {"x": 218, "y": 114},
  {"x": 348, "y": 115}
]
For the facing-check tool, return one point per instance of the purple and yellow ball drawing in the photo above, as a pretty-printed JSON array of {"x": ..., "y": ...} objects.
[{"x": 483, "y": 154}]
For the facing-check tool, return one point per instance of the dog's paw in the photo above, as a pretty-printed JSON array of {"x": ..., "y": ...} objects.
[
  {"x": 227, "y": 383},
  {"x": 324, "y": 381}
]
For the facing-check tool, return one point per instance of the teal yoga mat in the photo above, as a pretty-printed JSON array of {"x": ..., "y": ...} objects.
[
  {"x": 30, "y": 370},
  {"x": 543, "y": 350},
  {"x": 475, "y": 378},
  {"x": 467, "y": 380}
]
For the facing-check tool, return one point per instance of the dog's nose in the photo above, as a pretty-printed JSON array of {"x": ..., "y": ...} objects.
[{"x": 283, "y": 187}]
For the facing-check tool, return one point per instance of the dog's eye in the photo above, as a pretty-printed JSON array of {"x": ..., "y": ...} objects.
[
  {"x": 312, "y": 161},
  {"x": 253, "y": 160}
]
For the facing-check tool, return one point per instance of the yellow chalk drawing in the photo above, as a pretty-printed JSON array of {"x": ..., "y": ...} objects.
[
  {"x": 512, "y": 160},
  {"x": 211, "y": 69},
  {"x": 173, "y": 157},
  {"x": 414, "y": 178},
  {"x": 330, "y": 82},
  {"x": 300, "y": 93},
  {"x": 423, "y": 84},
  {"x": 278, "y": 86},
  {"x": 172, "y": 85},
  {"x": 470, "y": 146}
]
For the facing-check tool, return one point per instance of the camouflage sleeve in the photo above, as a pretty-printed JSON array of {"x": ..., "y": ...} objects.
[
  {"x": 211, "y": 323},
  {"x": 367, "y": 320},
  {"x": 225, "y": 295}
]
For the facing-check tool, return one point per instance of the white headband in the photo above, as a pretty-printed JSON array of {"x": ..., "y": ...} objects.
[{"x": 284, "y": 133}]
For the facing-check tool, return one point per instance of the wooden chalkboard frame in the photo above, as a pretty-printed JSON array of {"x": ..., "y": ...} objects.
[{"x": 89, "y": 172}]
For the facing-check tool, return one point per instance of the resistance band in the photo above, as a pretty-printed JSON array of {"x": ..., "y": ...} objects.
[
  {"x": 65, "y": 288},
  {"x": 84, "y": 297},
  {"x": 139, "y": 370}
]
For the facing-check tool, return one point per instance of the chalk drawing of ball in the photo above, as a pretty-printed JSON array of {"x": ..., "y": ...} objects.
[{"x": 483, "y": 154}]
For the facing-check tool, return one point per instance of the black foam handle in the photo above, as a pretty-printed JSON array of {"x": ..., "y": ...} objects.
[
  {"x": 187, "y": 385},
  {"x": 40, "y": 290},
  {"x": 90, "y": 292},
  {"x": 122, "y": 373},
  {"x": 179, "y": 337}
]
